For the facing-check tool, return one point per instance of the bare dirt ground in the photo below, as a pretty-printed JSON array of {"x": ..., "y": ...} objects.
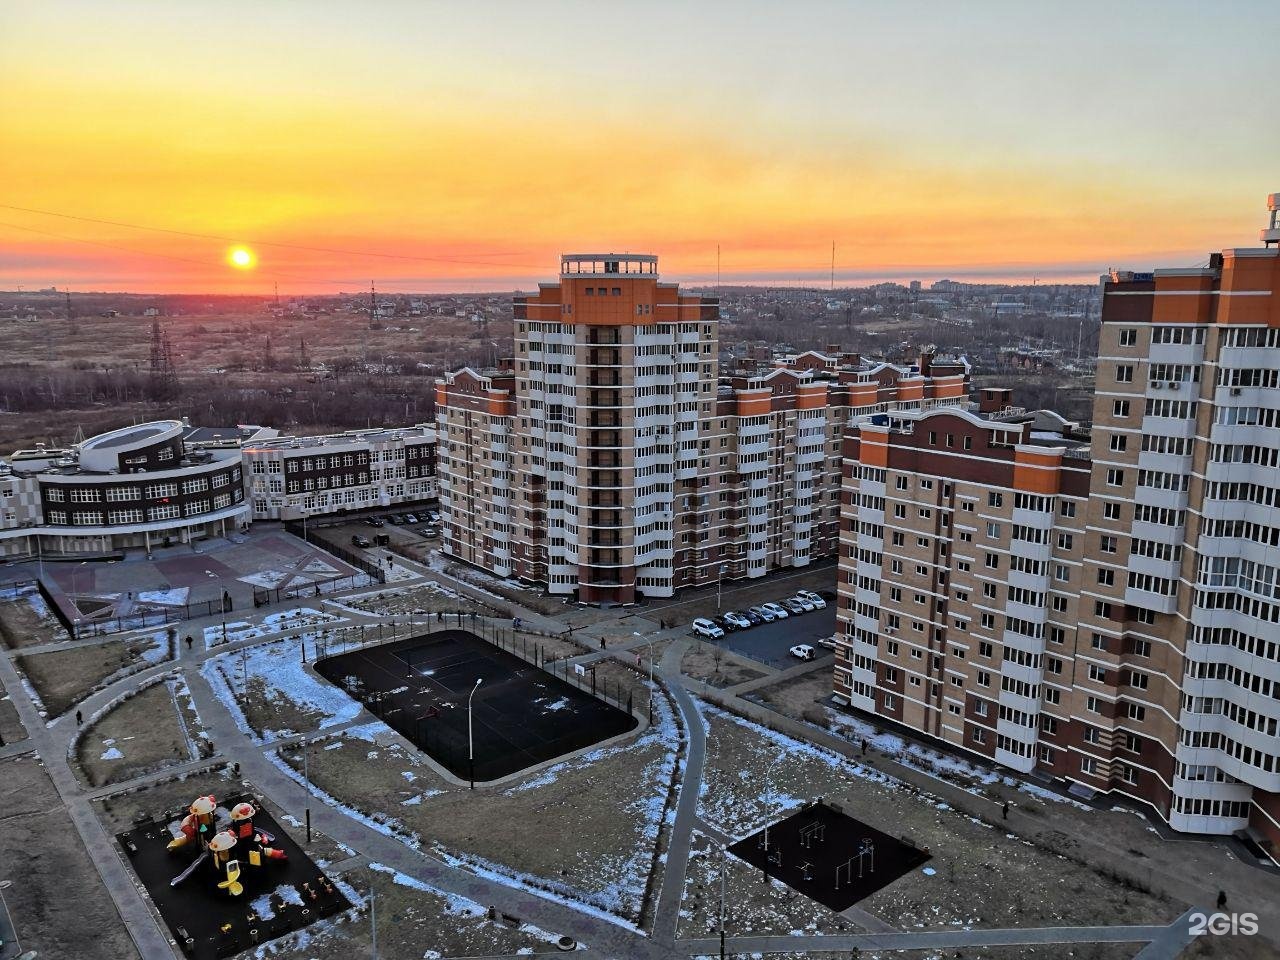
[
  {"x": 26, "y": 622},
  {"x": 151, "y": 730},
  {"x": 411, "y": 917},
  {"x": 426, "y": 598},
  {"x": 982, "y": 877},
  {"x": 57, "y": 900},
  {"x": 65, "y": 677},
  {"x": 11, "y": 728},
  {"x": 604, "y": 805},
  {"x": 717, "y": 666}
]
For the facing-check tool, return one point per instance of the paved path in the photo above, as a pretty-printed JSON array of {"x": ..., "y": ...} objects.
[
  {"x": 51, "y": 747},
  {"x": 803, "y": 668},
  {"x": 668, "y": 910},
  {"x": 1175, "y": 938},
  {"x": 928, "y": 939}
]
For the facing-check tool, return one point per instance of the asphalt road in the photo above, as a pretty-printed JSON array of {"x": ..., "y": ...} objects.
[{"x": 769, "y": 642}]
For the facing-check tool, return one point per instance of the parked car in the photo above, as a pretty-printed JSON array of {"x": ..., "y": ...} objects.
[
  {"x": 794, "y": 606},
  {"x": 433, "y": 516},
  {"x": 739, "y": 621},
  {"x": 753, "y": 615},
  {"x": 828, "y": 642},
  {"x": 359, "y": 541},
  {"x": 430, "y": 532},
  {"x": 805, "y": 603},
  {"x": 803, "y": 651},
  {"x": 728, "y": 626},
  {"x": 395, "y": 519},
  {"x": 376, "y": 522},
  {"x": 410, "y": 518},
  {"x": 813, "y": 598},
  {"x": 768, "y": 616},
  {"x": 703, "y": 627},
  {"x": 779, "y": 612}
]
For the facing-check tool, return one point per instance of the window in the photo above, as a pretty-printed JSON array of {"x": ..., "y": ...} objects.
[
  {"x": 1107, "y": 578},
  {"x": 1111, "y": 511},
  {"x": 1097, "y": 674},
  {"x": 1115, "y": 478},
  {"x": 1124, "y": 373},
  {"x": 993, "y": 561},
  {"x": 1064, "y": 541},
  {"x": 993, "y": 531},
  {"x": 1119, "y": 408},
  {"x": 1128, "y": 336},
  {"x": 1061, "y": 572},
  {"x": 1068, "y": 509},
  {"x": 1119, "y": 442},
  {"x": 1107, "y": 544},
  {"x": 1137, "y": 711},
  {"x": 995, "y": 500},
  {"x": 979, "y": 735},
  {"x": 1088, "y": 765}
]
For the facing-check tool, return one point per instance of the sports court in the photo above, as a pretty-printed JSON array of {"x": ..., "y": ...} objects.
[
  {"x": 521, "y": 715},
  {"x": 828, "y": 856}
]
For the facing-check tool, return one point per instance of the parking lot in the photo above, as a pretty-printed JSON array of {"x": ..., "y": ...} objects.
[{"x": 769, "y": 642}]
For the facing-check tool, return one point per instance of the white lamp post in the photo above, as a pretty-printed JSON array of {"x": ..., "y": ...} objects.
[{"x": 471, "y": 747}]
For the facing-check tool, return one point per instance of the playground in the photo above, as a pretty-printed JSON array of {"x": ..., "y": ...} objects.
[
  {"x": 828, "y": 856},
  {"x": 279, "y": 896},
  {"x": 520, "y": 714}
]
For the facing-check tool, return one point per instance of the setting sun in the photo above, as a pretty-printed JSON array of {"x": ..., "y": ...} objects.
[{"x": 241, "y": 257}]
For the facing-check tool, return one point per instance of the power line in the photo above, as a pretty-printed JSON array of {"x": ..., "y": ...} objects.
[
  {"x": 202, "y": 263},
  {"x": 273, "y": 243}
]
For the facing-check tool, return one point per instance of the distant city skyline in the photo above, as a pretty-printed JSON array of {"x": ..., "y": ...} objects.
[{"x": 455, "y": 149}]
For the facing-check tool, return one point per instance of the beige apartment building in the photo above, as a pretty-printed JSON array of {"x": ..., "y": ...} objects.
[
  {"x": 610, "y": 460},
  {"x": 1102, "y": 615}
]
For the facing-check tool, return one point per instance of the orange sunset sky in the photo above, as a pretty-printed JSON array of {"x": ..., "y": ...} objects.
[{"x": 435, "y": 146}]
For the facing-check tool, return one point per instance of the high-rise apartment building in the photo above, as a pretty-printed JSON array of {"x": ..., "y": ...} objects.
[
  {"x": 1103, "y": 615},
  {"x": 609, "y": 459}
]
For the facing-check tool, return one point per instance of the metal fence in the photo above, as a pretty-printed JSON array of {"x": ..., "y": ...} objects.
[
  {"x": 264, "y": 596},
  {"x": 342, "y": 553}
]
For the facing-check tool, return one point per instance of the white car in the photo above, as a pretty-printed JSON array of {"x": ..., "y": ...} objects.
[
  {"x": 768, "y": 616},
  {"x": 737, "y": 619},
  {"x": 828, "y": 642},
  {"x": 803, "y": 651},
  {"x": 779, "y": 612},
  {"x": 804, "y": 602},
  {"x": 705, "y": 628},
  {"x": 813, "y": 598}
]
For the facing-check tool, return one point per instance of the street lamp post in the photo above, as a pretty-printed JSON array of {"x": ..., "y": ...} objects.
[
  {"x": 720, "y": 584},
  {"x": 724, "y": 867},
  {"x": 649, "y": 641},
  {"x": 471, "y": 747}
]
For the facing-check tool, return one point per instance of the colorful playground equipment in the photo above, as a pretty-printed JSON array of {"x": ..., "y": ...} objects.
[{"x": 199, "y": 830}]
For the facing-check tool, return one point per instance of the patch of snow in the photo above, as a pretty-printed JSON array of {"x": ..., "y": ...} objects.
[
  {"x": 176, "y": 597},
  {"x": 112, "y": 753},
  {"x": 280, "y": 676},
  {"x": 929, "y": 871}
]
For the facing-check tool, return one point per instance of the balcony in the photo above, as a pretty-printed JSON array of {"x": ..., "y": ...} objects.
[
  {"x": 597, "y": 501},
  {"x": 598, "y": 419},
  {"x": 604, "y": 336},
  {"x": 604, "y": 358},
  {"x": 611, "y": 460}
]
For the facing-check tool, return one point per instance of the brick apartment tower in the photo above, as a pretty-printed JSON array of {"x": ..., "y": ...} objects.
[
  {"x": 593, "y": 447},
  {"x": 1133, "y": 648},
  {"x": 609, "y": 461}
]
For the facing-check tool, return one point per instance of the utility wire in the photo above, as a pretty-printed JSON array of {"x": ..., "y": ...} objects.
[
  {"x": 272, "y": 243},
  {"x": 201, "y": 263}
]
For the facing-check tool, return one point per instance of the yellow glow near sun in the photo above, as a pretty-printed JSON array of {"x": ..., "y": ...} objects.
[{"x": 241, "y": 257}]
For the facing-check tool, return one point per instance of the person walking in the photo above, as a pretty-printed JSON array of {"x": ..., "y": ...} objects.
[
  {"x": 1222, "y": 899},
  {"x": 1004, "y": 811},
  {"x": 79, "y": 718}
]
